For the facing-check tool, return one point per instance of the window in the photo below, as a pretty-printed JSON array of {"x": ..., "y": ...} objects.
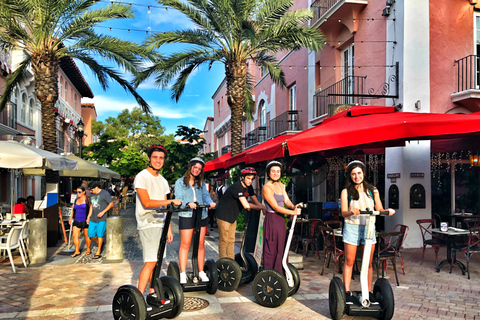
[
  {"x": 477, "y": 48},
  {"x": 30, "y": 113},
  {"x": 75, "y": 101},
  {"x": 66, "y": 90},
  {"x": 23, "y": 108},
  {"x": 348, "y": 64},
  {"x": 60, "y": 89},
  {"x": 218, "y": 108},
  {"x": 292, "y": 97},
  {"x": 263, "y": 113},
  {"x": 318, "y": 73}
]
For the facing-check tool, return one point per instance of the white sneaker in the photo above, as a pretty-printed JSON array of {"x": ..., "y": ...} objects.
[
  {"x": 203, "y": 276},
  {"x": 183, "y": 277}
]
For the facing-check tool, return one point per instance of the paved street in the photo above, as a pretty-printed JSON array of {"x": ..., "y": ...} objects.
[{"x": 82, "y": 288}]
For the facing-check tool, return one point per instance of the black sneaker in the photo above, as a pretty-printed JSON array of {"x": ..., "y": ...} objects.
[{"x": 152, "y": 299}]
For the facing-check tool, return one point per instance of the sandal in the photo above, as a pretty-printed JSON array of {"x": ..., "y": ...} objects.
[
  {"x": 97, "y": 256},
  {"x": 75, "y": 255}
]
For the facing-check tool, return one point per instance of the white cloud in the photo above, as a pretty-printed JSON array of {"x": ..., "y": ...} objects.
[{"x": 108, "y": 106}]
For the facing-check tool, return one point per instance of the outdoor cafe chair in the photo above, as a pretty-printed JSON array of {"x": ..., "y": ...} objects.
[
  {"x": 428, "y": 238},
  {"x": 24, "y": 239},
  {"x": 472, "y": 222},
  {"x": 13, "y": 242},
  {"x": 312, "y": 238},
  {"x": 472, "y": 246},
  {"x": 402, "y": 228},
  {"x": 332, "y": 247},
  {"x": 387, "y": 248}
]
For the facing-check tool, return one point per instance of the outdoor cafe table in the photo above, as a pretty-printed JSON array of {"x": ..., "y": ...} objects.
[
  {"x": 459, "y": 218},
  {"x": 451, "y": 233}
]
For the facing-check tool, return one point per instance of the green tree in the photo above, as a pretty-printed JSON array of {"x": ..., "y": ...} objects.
[
  {"x": 140, "y": 129},
  {"x": 50, "y": 30},
  {"x": 106, "y": 151},
  {"x": 98, "y": 128},
  {"x": 232, "y": 32},
  {"x": 180, "y": 153}
]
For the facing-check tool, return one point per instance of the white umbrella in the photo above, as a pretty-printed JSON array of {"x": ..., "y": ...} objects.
[{"x": 14, "y": 155}]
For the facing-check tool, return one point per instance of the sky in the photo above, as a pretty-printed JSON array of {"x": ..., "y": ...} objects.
[{"x": 196, "y": 103}]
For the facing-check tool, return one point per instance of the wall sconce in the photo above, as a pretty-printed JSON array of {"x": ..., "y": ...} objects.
[
  {"x": 418, "y": 105},
  {"x": 474, "y": 161}
]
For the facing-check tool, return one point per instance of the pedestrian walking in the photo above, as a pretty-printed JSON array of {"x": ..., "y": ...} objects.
[
  {"x": 78, "y": 220},
  {"x": 97, "y": 219}
]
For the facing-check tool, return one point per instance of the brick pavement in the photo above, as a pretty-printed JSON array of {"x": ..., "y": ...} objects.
[{"x": 66, "y": 288}]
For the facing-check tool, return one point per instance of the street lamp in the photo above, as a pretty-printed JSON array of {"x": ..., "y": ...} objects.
[{"x": 80, "y": 132}]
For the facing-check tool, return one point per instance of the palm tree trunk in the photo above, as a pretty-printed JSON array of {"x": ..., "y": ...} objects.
[
  {"x": 236, "y": 74},
  {"x": 45, "y": 69}
]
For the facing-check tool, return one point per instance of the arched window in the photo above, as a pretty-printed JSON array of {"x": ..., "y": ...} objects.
[
  {"x": 263, "y": 113},
  {"x": 23, "y": 109},
  {"x": 60, "y": 90},
  {"x": 75, "y": 102},
  {"x": 66, "y": 90},
  {"x": 30, "y": 113}
]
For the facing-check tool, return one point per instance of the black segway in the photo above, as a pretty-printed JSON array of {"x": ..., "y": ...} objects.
[
  {"x": 193, "y": 280},
  {"x": 232, "y": 273},
  {"x": 271, "y": 288},
  {"x": 379, "y": 305},
  {"x": 129, "y": 303}
]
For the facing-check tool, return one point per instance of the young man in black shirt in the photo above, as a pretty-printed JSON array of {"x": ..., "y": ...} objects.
[{"x": 233, "y": 201}]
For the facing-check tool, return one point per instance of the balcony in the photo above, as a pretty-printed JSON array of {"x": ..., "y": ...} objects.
[
  {"x": 226, "y": 149},
  {"x": 348, "y": 91},
  {"x": 257, "y": 135},
  {"x": 468, "y": 82},
  {"x": 324, "y": 9},
  {"x": 287, "y": 121}
]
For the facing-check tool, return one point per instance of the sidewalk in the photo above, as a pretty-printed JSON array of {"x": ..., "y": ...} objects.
[{"x": 82, "y": 288}]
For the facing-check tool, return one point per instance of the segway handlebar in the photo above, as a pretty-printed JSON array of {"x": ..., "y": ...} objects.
[
  {"x": 375, "y": 213},
  {"x": 172, "y": 208}
]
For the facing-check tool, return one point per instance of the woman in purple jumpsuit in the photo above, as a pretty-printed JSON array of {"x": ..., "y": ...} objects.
[{"x": 274, "y": 229}]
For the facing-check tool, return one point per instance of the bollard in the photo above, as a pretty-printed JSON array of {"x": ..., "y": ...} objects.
[
  {"x": 37, "y": 240},
  {"x": 114, "y": 239}
]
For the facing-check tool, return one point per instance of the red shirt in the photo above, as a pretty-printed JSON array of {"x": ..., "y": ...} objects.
[{"x": 19, "y": 208}]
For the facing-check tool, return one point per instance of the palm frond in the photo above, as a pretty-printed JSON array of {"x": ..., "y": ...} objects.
[{"x": 12, "y": 81}]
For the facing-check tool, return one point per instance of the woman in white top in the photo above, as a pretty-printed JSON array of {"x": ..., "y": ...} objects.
[{"x": 358, "y": 195}]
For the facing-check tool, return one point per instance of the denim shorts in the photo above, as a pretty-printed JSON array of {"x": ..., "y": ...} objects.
[{"x": 355, "y": 234}]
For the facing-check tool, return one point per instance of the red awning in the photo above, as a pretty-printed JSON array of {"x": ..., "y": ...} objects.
[
  {"x": 381, "y": 127},
  {"x": 268, "y": 150},
  {"x": 217, "y": 163}
]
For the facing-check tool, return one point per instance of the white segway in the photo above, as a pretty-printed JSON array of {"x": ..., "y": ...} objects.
[
  {"x": 271, "y": 288},
  {"x": 381, "y": 304}
]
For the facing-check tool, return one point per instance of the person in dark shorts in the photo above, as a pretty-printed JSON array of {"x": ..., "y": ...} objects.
[
  {"x": 191, "y": 189},
  {"x": 274, "y": 228},
  {"x": 232, "y": 202},
  {"x": 78, "y": 220}
]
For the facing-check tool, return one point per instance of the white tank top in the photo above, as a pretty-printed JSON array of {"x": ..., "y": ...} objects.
[{"x": 363, "y": 202}]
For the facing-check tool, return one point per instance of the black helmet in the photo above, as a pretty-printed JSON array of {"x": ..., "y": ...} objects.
[
  {"x": 248, "y": 171},
  {"x": 354, "y": 164},
  {"x": 156, "y": 147},
  {"x": 271, "y": 164},
  {"x": 197, "y": 159}
]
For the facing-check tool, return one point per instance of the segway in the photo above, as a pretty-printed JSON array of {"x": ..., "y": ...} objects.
[
  {"x": 193, "y": 280},
  {"x": 379, "y": 305},
  {"x": 232, "y": 273},
  {"x": 129, "y": 303},
  {"x": 271, "y": 288}
]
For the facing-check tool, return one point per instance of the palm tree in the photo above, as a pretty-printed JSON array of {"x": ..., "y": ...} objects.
[
  {"x": 232, "y": 32},
  {"x": 50, "y": 30}
]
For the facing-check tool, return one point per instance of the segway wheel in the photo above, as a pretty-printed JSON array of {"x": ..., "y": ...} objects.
[
  {"x": 337, "y": 298},
  {"x": 211, "y": 271},
  {"x": 296, "y": 280},
  {"x": 252, "y": 265},
  {"x": 173, "y": 291},
  {"x": 128, "y": 303},
  {"x": 173, "y": 270},
  {"x": 229, "y": 274},
  {"x": 383, "y": 293},
  {"x": 270, "y": 288}
]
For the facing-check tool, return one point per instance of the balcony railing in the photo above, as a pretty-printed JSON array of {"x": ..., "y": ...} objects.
[
  {"x": 340, "y": 93},
  {"x": 287, "y": 121},
  {"x": 226, "y": 149},
  {"x": 8, "y": 116},
  {"x": 257, "y": 135},
  {"x": 468, "y": 73},
  {"x": 320, "y": 7}
]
